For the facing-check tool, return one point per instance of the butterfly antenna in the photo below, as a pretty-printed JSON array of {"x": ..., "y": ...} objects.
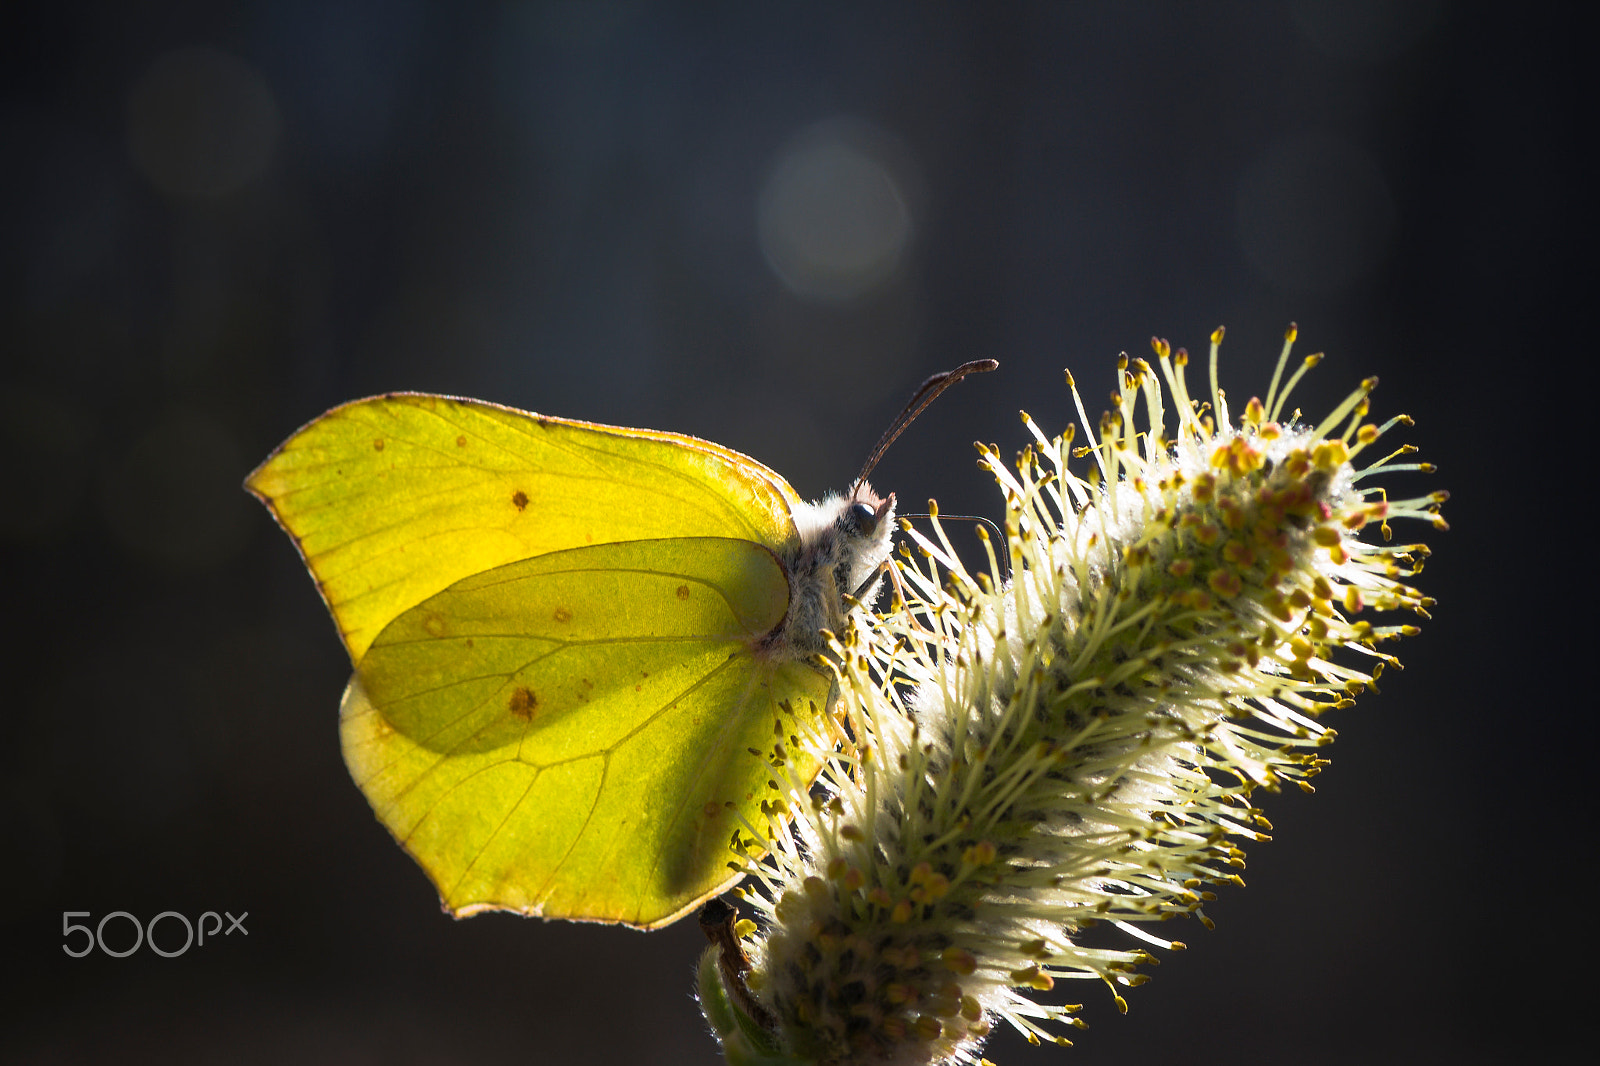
[
  {"x": 926, "y": 393},
  {"x": 999, "y": 536},
  {"x": 963, "y": 518}
]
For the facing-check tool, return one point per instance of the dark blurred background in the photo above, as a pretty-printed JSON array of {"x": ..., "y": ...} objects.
[{"x": 760, "y": 224}]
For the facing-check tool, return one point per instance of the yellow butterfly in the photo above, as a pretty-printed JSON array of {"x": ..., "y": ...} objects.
[{"x": 568, "y": 639}]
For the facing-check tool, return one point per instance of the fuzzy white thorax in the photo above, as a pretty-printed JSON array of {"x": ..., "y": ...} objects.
[{"x": 843, "y": 540}]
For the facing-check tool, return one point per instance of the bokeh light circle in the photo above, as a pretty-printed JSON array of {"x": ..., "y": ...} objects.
[
  {"x": 833, "y": 216},
  {"x": 201, "y": 123}
]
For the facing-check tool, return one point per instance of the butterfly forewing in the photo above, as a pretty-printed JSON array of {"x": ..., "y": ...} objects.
[{"x": 394, "y": 498}]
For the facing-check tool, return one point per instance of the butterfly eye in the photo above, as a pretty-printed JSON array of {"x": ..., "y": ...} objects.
[{"x": 866, "y": 516}]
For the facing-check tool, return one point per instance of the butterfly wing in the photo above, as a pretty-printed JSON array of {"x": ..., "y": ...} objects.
[
  {"x": 394, "y": 498},
  {"x": 587, "y": 797},
  {"x": 570, "y": 735}
]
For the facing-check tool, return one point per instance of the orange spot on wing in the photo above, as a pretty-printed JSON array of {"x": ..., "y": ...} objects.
[
  {"x": 434, "y": 624},
  {"x": 461, "y": 442},
  {"x": 377, "y": 445},
  {"x": 562, "y": 615},
  {"x": 523, "y": 703},
  {"x": 683, "y": 592}
]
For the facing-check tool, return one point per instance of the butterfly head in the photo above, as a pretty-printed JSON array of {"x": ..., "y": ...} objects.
[
  {"x": 844, "y": 541},
  {"x": 865, "y": 530}
]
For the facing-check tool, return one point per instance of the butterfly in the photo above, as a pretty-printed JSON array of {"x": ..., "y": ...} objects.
[{"x": 570, "y": 641}]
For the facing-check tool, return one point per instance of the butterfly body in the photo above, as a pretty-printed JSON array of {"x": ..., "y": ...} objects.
[
  {"x": 843, "y": 541},
  {"x": 567, "y": 638}
]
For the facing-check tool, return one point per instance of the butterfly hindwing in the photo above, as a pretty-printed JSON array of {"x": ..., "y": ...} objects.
[{"x": 564, "y": 735}]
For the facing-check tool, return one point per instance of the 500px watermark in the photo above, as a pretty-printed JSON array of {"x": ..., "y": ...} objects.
[{"x": 146, "y": 933}]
